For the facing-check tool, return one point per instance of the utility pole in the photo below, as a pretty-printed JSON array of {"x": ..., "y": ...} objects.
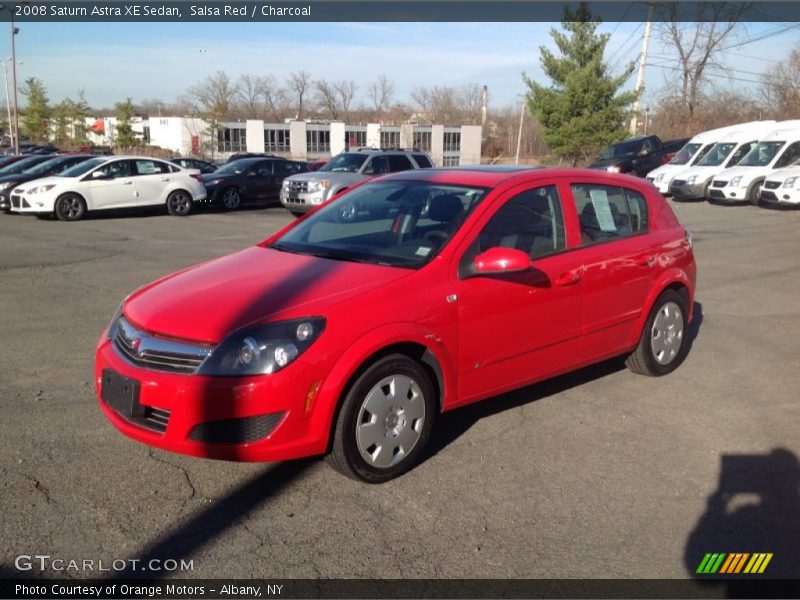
[
  {"x": 519, "y": 136},
  {"x": 640, "y": 77}
]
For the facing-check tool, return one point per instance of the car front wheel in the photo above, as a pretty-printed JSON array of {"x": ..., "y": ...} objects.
[
  {"x": 70, "y": 207},
  {"x": 662, "y": 346},
  {"x": 231, "y": 199},
  {"x": 385, "y": 421}
]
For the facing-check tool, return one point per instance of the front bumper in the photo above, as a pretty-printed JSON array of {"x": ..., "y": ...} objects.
[
  {"x": 684, "y": 192},
  {"x": 770, "y": 199},
  {"x": 728, "y": 196},
  {"x": 301, "y": 202},
  {"x": 662, "y": 185},
  {"x": 256, "y": 418}
]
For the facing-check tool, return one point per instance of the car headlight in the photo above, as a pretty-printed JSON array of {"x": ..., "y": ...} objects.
[
  {"x": 42, "y": 188},
  {"x": 659, "y": 177},
  {"x": 318, "y": 186},
  {"x": 613, "y": 169},
  {"x": 691, "y": 180},
  {"x": 735, "y": 181},
  {"x": 789, "y": 182},
  {"x": 262, "y": 349}
]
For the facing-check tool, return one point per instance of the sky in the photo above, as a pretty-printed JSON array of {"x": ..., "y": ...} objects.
[{"x": 113, "y": 61}]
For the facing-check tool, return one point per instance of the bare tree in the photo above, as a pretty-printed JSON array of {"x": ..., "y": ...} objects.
[
  {"x": 346, "y": 91},
  {"x": 381, "y": 92},
  {"x": 781, "y": 86},
  {"x": 698, "y": 44},
  {"x": 299, "y": 84},
  {"x": 248, "y": 94},
  {"x": 275, "y": 98},
  {"x": 214, "y": 96},
  {"x": 326, "y": 95}
]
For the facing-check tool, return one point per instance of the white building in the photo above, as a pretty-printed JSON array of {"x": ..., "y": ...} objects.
[{"x": 308, "y": 140}]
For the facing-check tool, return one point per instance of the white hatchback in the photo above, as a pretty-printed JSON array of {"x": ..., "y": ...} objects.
[{"x": 111, "y": 182}]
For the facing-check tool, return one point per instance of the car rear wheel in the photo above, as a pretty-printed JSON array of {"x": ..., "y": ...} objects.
[
  {"x": 662, "y": 346},
  {"x": 70, "y": 207},
  {"x": 231, "y": 199},
  {"x": 385, "y": 421},
  {"x": 179, "y": 203}
]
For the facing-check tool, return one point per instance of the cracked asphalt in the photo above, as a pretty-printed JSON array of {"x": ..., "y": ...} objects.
[{"x": 599, "y": 474}]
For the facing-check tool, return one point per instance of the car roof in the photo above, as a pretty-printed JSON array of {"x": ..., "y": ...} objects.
[{"x": 494, "y": 175}]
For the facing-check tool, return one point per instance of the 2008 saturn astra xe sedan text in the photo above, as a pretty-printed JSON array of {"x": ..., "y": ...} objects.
[{"x": 348, "y": 332}]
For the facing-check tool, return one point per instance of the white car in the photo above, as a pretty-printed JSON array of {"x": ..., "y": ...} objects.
[
  {"x": 742, "y": 184},
  {"x": 111, "y": 182},
  {"x": 781, "y": 188}
]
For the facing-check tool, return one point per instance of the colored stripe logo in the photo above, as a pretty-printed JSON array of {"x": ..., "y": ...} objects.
[{"x": 722, "y": 563}]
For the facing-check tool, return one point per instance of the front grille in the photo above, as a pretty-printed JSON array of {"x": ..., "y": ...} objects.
[
  {"x": 768, "y": 195},
  {"x": 291, "y": 200},
  {"x": 154, "y": 353},
  {"x": 772, "y": 185},
  {"x": 719, "y": 183},
  {"x": 236, "y": 431},
  {"x": 16, "y": 201},
  {"x": 156, "y": 419},
  {"x": 677, "y": 183},
  {"x": 716, "y": 194},
  {"x": 298, "y": 186}
]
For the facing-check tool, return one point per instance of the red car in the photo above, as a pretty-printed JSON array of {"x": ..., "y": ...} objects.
[{"x": 350, "y": 330}]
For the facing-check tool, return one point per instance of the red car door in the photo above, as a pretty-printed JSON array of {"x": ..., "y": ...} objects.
[
  {"x": 619, "y": 264},
  {"x": 519, "y": 327}
]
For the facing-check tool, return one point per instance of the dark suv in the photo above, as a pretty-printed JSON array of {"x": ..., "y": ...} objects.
[
  {"x": 301, "y": 193},
  {"x": 249, "y": 179}
]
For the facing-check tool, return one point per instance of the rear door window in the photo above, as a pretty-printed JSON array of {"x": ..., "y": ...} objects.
[
  {"x": 422, "y": 161},
  {"x": 608, "y": 212}
]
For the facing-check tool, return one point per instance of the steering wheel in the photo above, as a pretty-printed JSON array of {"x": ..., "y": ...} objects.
[{"x": 435, "y": 237}]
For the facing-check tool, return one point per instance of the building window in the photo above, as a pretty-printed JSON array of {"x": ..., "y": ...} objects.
[
  {"x": 231, "y": 139},
  {"x": 355, "y": 138},
  {"x": 451, "y": 161},
  {"x": 276, "y": 140},
  {"x": 452, "y": 141},
  {"x": 422, "y": 140},
  {"x": 390, "y": 139},
  {"x": 318, "y": 141}
]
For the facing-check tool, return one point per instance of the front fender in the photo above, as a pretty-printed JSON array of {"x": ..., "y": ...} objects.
[{"x": 335, "y": 384}]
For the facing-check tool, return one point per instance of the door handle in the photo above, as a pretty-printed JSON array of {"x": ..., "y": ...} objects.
[
  {"x": 568, "y": 278},
  {"x": 129, "y": 182},
  {"x": 645, "y": 261},
  {"x": 165, "y": 179}
]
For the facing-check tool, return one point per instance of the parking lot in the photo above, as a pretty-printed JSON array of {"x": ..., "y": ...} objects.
[{"x": 599, "y": 474}]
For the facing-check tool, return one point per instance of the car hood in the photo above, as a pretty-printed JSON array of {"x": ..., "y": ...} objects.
[
  {"x": 699, "y": 172},
  {"x": 745, "y": 172},
  {"x": 207, "y": 302},
  {"x": 18, "y": 178},
  {"x": 329, "y": 175},
  {"x": 52, "y": 180},
  {"x": 784, "y": 173},
  {"x": 206, "y": 177}
]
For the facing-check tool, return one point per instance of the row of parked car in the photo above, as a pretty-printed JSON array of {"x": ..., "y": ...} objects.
[
  {"x": 749, "y": 163},
  {"x": 69, "y": 186}
]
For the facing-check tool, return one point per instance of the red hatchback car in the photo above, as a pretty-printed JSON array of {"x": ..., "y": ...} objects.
[{"x": 350, "y": 330}]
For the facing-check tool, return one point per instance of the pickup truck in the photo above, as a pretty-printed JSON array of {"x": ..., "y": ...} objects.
[{"x": 637, "y": 156}]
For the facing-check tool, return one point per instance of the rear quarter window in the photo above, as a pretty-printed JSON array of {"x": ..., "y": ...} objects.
[{"x": 422, "y": 161}]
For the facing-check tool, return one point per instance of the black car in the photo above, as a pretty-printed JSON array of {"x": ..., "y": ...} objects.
[
  {"x": 188, "y": 162},
  {"x": 241, "y": 155},
  {"x": 249, "y": 179},
  {"x": 50, "y": 165}
]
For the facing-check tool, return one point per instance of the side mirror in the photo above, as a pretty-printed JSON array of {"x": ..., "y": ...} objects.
[
  {"x": 500, "y": 260},
  {"x": 99, "y": 175}
]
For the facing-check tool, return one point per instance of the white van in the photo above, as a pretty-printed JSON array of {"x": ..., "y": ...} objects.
[
  {"x": 742, "y": 184},
  {"x": 781, "y": 188},
  {"x": 693, "y": 151},
  {"x": 693, "y": 183}
]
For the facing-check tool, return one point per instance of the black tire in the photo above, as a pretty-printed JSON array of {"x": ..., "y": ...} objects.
[
  {"x": 753, "y": 192},
  {"x": 70, "y": 207},
  {"x": 230, "y": 198},
  {"x": 297, "y": 213},
  {"x": 180, "y": 203},
  {"x": 371, "y": 391},
  {"x": 663, "y": 345}
]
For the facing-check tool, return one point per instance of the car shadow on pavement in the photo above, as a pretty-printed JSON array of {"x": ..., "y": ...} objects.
[
  {"x": 208, "y": 525},
  {"x": 754, "y": 512},
  {"x": 454, "y": 424},
  {"x": 694, "y": 327}
]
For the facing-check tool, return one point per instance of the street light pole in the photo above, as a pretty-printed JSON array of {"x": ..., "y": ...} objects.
[
  {"x": 14, "y": 32},
  {"x": 8, "y": 102}
]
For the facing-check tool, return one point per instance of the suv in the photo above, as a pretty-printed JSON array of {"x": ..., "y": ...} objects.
[{"x": 301, "y": 193}]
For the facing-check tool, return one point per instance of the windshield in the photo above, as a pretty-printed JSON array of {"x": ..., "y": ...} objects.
[
  {"x": 20, "y": 165},
  {"x": 685, "y": 154},
  {"x": 619, "y": 151},
  {"x": 83, "y": 167},
  {"x": 761, "y": 155},
  {"x": 395, "y": 223},
  {"x": 716, "y": 155},
  {"x": 233, "y": 168},
  {"x": 43, "y": 168},
  {"x": 348, "y": 162}
]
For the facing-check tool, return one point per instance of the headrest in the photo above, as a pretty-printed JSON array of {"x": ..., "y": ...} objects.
[{"x": 445, "y": 208}]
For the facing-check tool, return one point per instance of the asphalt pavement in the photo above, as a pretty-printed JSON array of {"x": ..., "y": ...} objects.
[{"x": 599, "y": 474}]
